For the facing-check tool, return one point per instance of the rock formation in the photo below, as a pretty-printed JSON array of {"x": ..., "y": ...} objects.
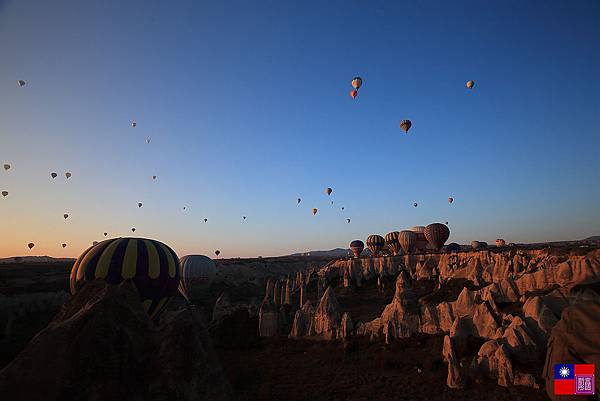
[{"x": 102, "y": 345}]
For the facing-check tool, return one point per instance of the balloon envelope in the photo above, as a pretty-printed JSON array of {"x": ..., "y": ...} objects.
[
  {"x": 217, "y": 252},
  {"x": 6, "y": 167},
  {"x": 20, "y": 82},
  {"x": 470, "y": 84},
  {"x": 30, "y": 245},
  {"x": 197, "y": 273},
  {"x": 356, "y": 82},
  {"x": 314, "y": 211},
  {"x": 67, "y": 174},
  {"x": 353, "y": 93},
  {"x": 4, "y": 193},
  {"x": 405, "y": 125},
  {"x": 391, "y": 241},
  {"x": 408, "y": 240},
  {"x": 328, "y": 191},
  {"x": 357, "y": 247},
  {"x": 437, "y": 234},
  {"x": 375, "y": 243},
  {"x": 53, "y": 175},
  {"x": 450, "y": 199},
  {"x": 152, "y": 266}
]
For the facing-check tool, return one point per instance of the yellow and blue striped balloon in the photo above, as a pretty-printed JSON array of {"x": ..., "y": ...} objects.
[
  {"x": 392, "y": 242},
  {"x": 151, "y": 265}
]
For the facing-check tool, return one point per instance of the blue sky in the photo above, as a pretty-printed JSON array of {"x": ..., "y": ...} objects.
[{"x": 247, "y": 106}]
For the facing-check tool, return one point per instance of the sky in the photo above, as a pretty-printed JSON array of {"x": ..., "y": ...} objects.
[{"x": 247, "y": 106}]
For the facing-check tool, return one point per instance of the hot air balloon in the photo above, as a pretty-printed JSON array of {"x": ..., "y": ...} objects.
[
  {"x": 314, "y": 211},
  {"x": 133, "y": 229},
  {"x": 405, "y": 125},
  {"x": 353, "y": 93},
  {"x": 437, "y": 234},
  {"x": 328, "y": 191},
  {"x": 139, "y": 204},
  {"x": 342, "y": 208},
  {"x": 154, "y": 177},
  {"x": 348, "y": 220},
  {"x": 66, "y": 216},
  {"x": 357, "y": 247},
  {"x": 205, "y": 220},
  {"x": 375, "y": 243},
  {"x": 7, "y": 167},
  {"x": 470, "y": 84},
  {"x": 184, "y": 208},
  {"x": 391, "y": 241},
  {"x": 133, "y": 124},
  {"x": 197, "y": 272},
  {"x": 152, "y": 266},
  {"x": 105, "y": 234},
  {"x": 148, "y": 140},
  {"x": 68, "y": 175},
  {"x": 244, "y": 217},
  {"x": 53, "y": 175},
  {"x": 415, "y": 204},
  {"x": 64, "y": 245},
  {"x": 421, "y": 240},
  {"x": 450, "y": 199},
  {"x": 500, "y": 242},
  {"x": 408, "y": 240},
  {"x": 299, "y": 200},
  {"x": 446, "y": 223},
  {"x": 477, "y": 245},
  {"x": 4, "y": 193},
  {"x": 453, "y": 247},
  {"x": 217, "y": 252},
  {"x": 356, "y": 82},
  {"x": 30, "y": 245},
  {"x": 21, "y": 83}
]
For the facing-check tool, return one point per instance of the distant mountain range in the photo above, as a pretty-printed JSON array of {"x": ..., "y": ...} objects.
[
  {"x": 35, "y": 259},
  {"x": 332, "y": 253}
]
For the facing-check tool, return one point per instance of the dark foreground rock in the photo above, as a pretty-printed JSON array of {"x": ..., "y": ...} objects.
[{"x": 102, "y": 345}]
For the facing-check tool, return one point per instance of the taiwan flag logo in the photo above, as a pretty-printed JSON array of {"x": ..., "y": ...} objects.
[{"x": 573, "y": 379}]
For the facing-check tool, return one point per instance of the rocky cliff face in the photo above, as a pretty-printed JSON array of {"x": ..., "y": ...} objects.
[
  {"x": 515, "y": 300},
  {"x": 102, "y": 345}
]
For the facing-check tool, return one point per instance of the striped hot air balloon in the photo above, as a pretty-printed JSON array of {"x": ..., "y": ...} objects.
[
  {"x": 375, "y": 244},
  {"x": 357, "y": 247},
  {"x": 437, "y": 234},
  {"x": 408, "y": 240},
  {"x": 151, "y": 265},
  {"x": 197, "y": 272},
  {"x": 422, "y": 242},
  {"x": 391, "y": 240}
]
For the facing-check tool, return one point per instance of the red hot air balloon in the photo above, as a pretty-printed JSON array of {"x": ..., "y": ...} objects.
[
  {"x": 353, "y": 93},
  {"x": 357, "y": 247},
  {"x": 437, "y": 234}
]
